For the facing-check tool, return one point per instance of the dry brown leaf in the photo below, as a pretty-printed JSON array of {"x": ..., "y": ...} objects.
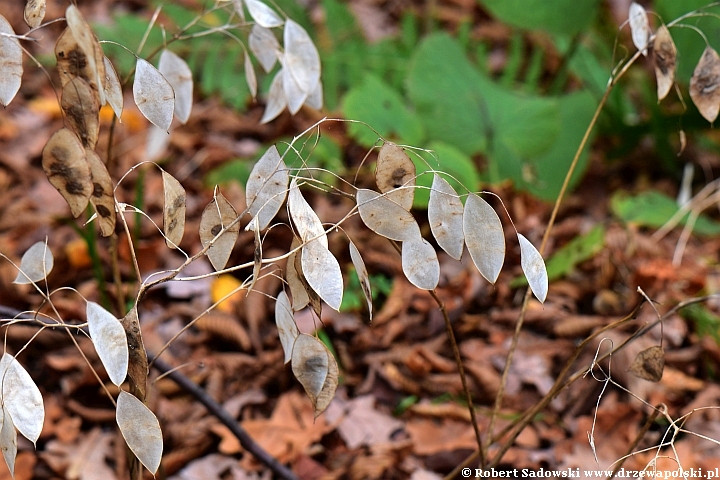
[
  {"x": 219, "y": 214},
  {"x": 649, "y": 364},
  {"x": 363, "y": 424},
  {"x": 430, "y": 437},
  {"x": 67, "y": 169},
  {"x": 173, "y": 210},
  {"x": 102, "y": 198},
  {"x": 395, "y": 171},
  {"x": 665, "y": 58},
  {"x": 705, "y": 85},
  {"x": 82, "y": 111}
]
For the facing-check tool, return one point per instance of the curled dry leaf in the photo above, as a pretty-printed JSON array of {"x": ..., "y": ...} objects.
[
  {"x": 262, "y": 14},
  {"x": 264, "y": 46},
  {"x": 173, "y": 210},
  {"x": 316, "y": 370},
  {"x": 276, "y": 101},
  {"x": 82, "y": 111},
  {"x": 102, "y": 198},
  {"x": 22, "y": 398},
  {"x": 301, "y": 56},
  {"x": 445, "y": 215},
  {"x": 8, "y": 441},
  {"x": 140, "y": 429},
  {"x": 533, "y": 267},
  {"x": 11, "y": 68},
  {"x": 34, "y": 12},
  {"x": 294, "y": 95},
  {"x": 649, "y": 364},
  {"x": 665, "y": 58},
  {"x": 306, "y": 221},
  {"x": 420, "y": 263},
  {"x": 178, "y": 74},
  {"x": 217, "y": 215},
  {"x": 705, "y": 85},
  {"x": 395, "y": 175},
  {"x": 322, "y": 272},
  {"x": 108, "y": 336},
  {"x": 153, "y": 95},
  {"x": 67, "y": 169},
  {"x": 267, "y": 187},
  {"x": 35, "y": 265},
  {"x": 639, "y": 27},
  {"x": 138, "y": 364},
  {"x": 385, "y": 217},
  {"x": 287, "y": 329},
  {"x": 363, "y": 276},
  {"x": 89, "y": 46},
  {"x": 250, "y": 75},
  {"x": 484, "y": 237}
]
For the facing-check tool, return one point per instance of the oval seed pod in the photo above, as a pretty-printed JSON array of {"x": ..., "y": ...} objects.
[
  {"x": 35, "y": 264},
  {"x": 11, "y": 67},
  {"x": 218, "y": 214},
  {"x": 445, "y": 215},
  {"x": 665, "y": 59},
  {"x": 178, "y": 74},
  {"x": 173, "y": 210},
  {"x": 420, "y": 263},
  {"x": 67, "y": 169},
  {"x": 140, "y": 429},
  {"x": 153, "y": 94},
  {"x": 395, "y": 175},
  {"x": 533, "y": 267},
  {"x": 267, "y": 187},
  {"x": 484, "y": 237},
  {"x": 316, "y": 370},
  {"x": 385, "y": 217},
  {"x": 705, "y": 85}
]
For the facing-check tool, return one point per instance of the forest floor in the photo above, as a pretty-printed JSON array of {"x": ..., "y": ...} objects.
[{"x": 399, "y": 411}]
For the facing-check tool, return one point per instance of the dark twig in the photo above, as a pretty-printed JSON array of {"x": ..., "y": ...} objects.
[{"x": 280, "y": 471}]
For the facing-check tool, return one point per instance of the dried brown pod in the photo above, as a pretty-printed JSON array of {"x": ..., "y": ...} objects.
[
  {"x": 217, "y": 215},
  {"x": 395, "y": 173},
  {"x": 705, "y": 85},
  {"x": 665, "y": 59},
  {"x": 649, "y": 364},
  {"x": 102, "y": 198},
  {"x": 67, "y": 169},
  {"x": 173, "y": 210},
  {"x": 82, "y": 111},
  {"x": 34, "y": 12}
]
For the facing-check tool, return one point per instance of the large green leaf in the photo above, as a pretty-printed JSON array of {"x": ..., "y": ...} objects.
[
  {"x": 383, "y": 109},
  {"x": 564, "y": 17},
  {"x": 447, "y": 93}
]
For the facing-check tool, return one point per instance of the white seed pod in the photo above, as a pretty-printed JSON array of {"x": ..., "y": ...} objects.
[
  {"x": 140, "y": 429},
  {"x": 262, "y": 14},
  {"x": 250, "y": 77},
  {"x": 639, "y": 27},
  {"x": 217, "y": 215},
  {"x": 420, "y": 263},
  {"x": 533, "y": 267},
  {"x": 264, "y": 46},
  {"x": 153, "y": 94},
  {"x": 179, "y": 75},
  {"x": 484, "y": 237},
  {"x": 322, "y": 272},
  {"x": 173, "y": 210},
  {"x": 267, "y": 187},
  {"x": 285, "y": 322},
  {"x": 301, "y": 56},
  {"x": 276, "y": 101},
  {"x": 35, "y": 265},
  {"x": 11, "y": 67},
  {"x": 306, "y": 221},
  {"x": 22, "y": 398},
  {"x": 300, "y": 297},
  {"x": 445, "y": 215},
  {"x": 363, "y": 276},
  {"x": 385, "y": 217},
  {"x": 110, "y": 340},
  {"x": 113, "y": 88},
  {"x": 8, "y": 440}
]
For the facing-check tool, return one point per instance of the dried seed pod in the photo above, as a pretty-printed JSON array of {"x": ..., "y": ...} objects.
[
  {"x": 173, "y": 210},
  {"x": 67, "y": 169},
  {"x": 484, "y": 237},
  {"x": 445, "y": 215},
  {"x": 420, "y": 263},
  {"x": 533, "y": 267},
  {"x": 11, "y": 67},
  {"x": 395, "y": 175},
  {"x": 705, "y": 85},
  {"x": 88, "y": 43},
  {"x": 363, "y": 276},
  {"x": 665, "y": 58},
  {"x": 102, "y": 198},
  {"x": 178, "y": 74},
  {"x": 153, "y": 94},
  {"x": 35, "y": 264},
  {"x": 266, "y": 187},
  {"x": 639, "y": 27},
  {"x": 649, "y": 364},
  {"x": 316, "y": 370},
  {"x": 217, "y": 215},
  {"x": 82, "y": 110},
  {"x": 34, "y": 12},
  {"x": 385, "y": 217}
]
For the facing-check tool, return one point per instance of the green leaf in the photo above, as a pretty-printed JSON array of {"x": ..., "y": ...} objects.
[
  {"x": 565, "y": 17},
  {"x": 707, "y": 323},
  {"x": 237, "y": 170},
  {"x": 448, "y": 94},
  {"x": 565, "y": 259},
  {"x": 451, "y": 161},
  {"x": 654, "y": 209},
  {"x": 384, "y": 110}
]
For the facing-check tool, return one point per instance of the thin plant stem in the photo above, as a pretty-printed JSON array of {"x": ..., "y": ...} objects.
[
  {"x": 461, "y": 371},
  {"x": 553, "y": 216},
  {"x": 648, "y": 423}
]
